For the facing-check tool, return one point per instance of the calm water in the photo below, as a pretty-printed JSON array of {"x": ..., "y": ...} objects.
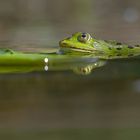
[
  {"x": 64, "y": 105},
  {"x": 61, "y": 104}
]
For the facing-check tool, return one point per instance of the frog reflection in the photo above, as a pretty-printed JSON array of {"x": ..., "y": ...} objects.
[
  {"x": 80, "y": 68},
  {"x": 87, "y": 69}
]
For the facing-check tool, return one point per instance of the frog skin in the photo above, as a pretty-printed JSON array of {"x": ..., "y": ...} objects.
[{"x": 83, "y": 44}]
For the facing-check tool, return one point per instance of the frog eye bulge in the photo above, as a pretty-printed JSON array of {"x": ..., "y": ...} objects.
[{"x": 84, "y": 37}]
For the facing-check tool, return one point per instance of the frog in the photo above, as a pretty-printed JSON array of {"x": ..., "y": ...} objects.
[
  {"x": 83, "y": 44},
  {"x": 80, "y": 48}
]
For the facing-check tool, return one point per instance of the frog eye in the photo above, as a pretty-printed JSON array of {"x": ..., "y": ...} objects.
[{"x": 84, "y": 37}]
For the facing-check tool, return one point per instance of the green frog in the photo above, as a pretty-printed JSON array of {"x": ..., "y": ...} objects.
[
  {"x": 83, "y": 44},
  {"x": 80, "y": 53}
]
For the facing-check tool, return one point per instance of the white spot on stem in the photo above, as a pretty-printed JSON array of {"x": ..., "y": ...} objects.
[{"x": 46, "y": 60}]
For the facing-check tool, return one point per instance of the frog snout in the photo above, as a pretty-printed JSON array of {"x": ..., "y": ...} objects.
[{"x": 62, "y": 43}]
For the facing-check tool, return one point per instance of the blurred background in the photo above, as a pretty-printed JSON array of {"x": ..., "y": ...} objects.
[
  {"x": 63, "y": 105},
  {"x": 47, "y": 21}
]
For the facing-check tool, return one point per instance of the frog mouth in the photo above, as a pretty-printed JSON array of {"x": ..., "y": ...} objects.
[{"x": 66, "y": 47}]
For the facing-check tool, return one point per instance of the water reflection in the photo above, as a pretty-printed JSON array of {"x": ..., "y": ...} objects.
[
  {"x": 81, "y": 66},
  {"x": 78, "y": 66}
]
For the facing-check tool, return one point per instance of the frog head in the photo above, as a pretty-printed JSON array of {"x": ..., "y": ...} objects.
[{"x": 78, "y": 42}]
